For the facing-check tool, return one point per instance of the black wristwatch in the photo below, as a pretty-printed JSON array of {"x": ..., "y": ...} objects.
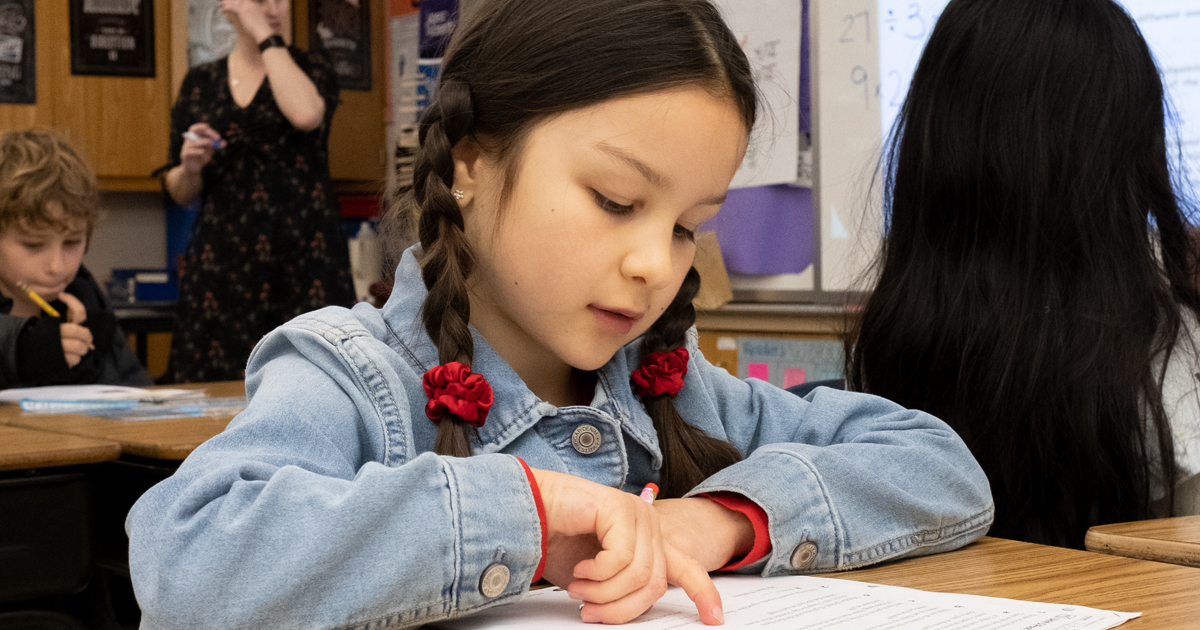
[{"x": 271, "y": 42}]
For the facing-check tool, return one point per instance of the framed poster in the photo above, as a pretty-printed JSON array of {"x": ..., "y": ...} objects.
[
  {"x": 342, "y": 30},
  {"x": 18, "y": 76},
  {"x": 210, "y": 35},
  {"x": 112, "y": 37}
]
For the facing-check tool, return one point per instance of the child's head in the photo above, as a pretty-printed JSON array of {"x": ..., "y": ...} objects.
[
  {"x": 1031, "y": 122},
  {"x": 1037, "y": 264},
  {"x": 622, "y": 120},
  {"x": 48, "y": 200}
]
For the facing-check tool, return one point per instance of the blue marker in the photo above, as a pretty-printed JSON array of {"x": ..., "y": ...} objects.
[{"x": 216, "y": 144}]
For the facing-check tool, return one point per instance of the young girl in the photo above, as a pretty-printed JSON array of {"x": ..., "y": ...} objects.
[
  {"x": 1035, "y": 282},
  {"x": 535, "y": 368}
]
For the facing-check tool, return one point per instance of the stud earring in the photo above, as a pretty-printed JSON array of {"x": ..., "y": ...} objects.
[{"x": 459, "y": 194}]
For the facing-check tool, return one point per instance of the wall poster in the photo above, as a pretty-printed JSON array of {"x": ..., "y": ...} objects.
[
  {"x": 342, "y": 30},
  {"x": 18, "y": 76},
  {"x": 112, "y": 37}
]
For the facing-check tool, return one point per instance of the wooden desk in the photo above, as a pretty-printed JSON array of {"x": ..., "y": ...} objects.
[
  {"x": 1175, "y": 540},
  {"x": 1165, "y": 594},
  {"x": 30, "y": 448},
  {"x": 170, "y": 439}
]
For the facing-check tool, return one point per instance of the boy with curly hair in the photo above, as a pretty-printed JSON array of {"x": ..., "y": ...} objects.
[{"x": 48, "y": 199}]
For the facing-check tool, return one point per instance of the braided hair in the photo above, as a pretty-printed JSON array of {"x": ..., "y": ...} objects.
[
  {"x": 446, "y": 260},
  {"x": 689, "y": 454},
  {"x": 512, "y": 64}
]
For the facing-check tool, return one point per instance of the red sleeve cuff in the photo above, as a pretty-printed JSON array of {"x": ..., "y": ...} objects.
[
  {"x": 541, "y": 510},
  {"x": 758, "y": 519}
]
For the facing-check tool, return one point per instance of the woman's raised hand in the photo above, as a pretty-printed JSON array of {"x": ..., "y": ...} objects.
[
  {"x": 198, "y": 145},
  {"x": 606, "y": 548},
  {"x": 250, "y": 15}
]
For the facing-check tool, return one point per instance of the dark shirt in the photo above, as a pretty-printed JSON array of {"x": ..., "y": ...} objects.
[
  {"x": 31, "y": 352},
  {"x": 268, "y": 242}
]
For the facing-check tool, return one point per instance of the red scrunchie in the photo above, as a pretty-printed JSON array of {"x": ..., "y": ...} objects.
[
  {"x": 452, "y": 388},
  {"x": 661, "y": 373}
]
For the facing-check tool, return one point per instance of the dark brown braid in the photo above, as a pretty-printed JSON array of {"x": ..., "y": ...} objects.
[
  {"x": 689, "y": 454},
  {"x": 446, "y": 259}
]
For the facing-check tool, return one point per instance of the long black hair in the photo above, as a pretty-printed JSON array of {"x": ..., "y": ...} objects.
[
  {"x": 1037, "y": 266},
  {"x": 513, "y": 64}
]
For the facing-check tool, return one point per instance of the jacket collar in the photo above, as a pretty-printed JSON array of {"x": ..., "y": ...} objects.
[{"x": 516, "y": 408}]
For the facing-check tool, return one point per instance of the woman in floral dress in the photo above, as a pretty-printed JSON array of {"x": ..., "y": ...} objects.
[{"x": 249, "y": 136}]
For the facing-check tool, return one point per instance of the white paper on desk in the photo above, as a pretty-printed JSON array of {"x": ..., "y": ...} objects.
[
  {"x": 809, "y": 603},
  {"x": 77, "y": 393}
]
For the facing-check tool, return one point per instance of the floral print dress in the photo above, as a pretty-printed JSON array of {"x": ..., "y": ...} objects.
[{"x": 268, "y": 243}]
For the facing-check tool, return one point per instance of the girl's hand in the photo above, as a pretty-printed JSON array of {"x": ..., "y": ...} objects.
[
  {"x": 250, "y": 14},
  {"x": 76, "y": 339},
  {"x": 605, "y": 548},
  {"x": 709, "y": 533},
  {"x": 196, "y": 153}
]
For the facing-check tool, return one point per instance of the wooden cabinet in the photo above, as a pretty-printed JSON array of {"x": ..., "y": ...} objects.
[
  {"x": 356, "y": 154},
  {"x": 119, "y": 124}
]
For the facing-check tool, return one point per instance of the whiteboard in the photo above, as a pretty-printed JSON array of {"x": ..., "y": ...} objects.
[{"x": 846, "y": 140}]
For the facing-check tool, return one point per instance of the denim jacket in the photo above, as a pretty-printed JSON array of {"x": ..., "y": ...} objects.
[{"x": 322, "y": 505}]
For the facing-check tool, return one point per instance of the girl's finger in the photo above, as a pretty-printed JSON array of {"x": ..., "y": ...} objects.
[
  {"x": 633, "y": 604},
  {"x": 606, "y": 565},
  {"x": 640, "y": 583},
  {"x": 627, "y": 536},
  {"x": 683, "y": 571}
]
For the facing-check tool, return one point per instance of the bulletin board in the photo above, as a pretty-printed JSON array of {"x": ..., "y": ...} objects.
[
  {"x": 112, "y": 37},
  {"x": 18, "y": 71},
  {"x": 342, "y": 30}
]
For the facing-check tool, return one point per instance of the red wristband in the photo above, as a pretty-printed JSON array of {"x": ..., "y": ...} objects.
[
  {"x": 541, "y": 510},
  {"x": 758, "y": 520}
]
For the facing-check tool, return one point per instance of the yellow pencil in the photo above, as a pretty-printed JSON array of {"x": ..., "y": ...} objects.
[{"x": 38, "y": 299}]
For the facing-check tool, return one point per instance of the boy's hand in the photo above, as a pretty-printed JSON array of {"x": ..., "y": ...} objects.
[
  {"x": 606, "y": 548},
  {"x": 76, "y": 339},
  {"x": 196, "y": 153}
]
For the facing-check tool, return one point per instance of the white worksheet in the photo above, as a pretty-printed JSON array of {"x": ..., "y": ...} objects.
[{"x": 808, "y": 603}]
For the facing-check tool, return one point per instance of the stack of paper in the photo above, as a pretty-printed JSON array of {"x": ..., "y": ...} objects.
[{"x": 68, "y": 398}]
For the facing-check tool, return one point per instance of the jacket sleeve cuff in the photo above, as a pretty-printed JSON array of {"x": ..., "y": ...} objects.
[
  {"x": 758, "y": 519},
  {"x": 541, "y": 511}
]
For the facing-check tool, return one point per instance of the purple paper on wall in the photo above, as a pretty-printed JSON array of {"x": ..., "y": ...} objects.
[
  {"x": 438, "y": 19},
  {"x": 766, "y": 230}
]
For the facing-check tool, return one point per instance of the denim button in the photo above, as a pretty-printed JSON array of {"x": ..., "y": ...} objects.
[
  {"x": 494, "y": 580},
  {"x": 586, "y": 439},
  {"x": 804, "y": 554}
]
